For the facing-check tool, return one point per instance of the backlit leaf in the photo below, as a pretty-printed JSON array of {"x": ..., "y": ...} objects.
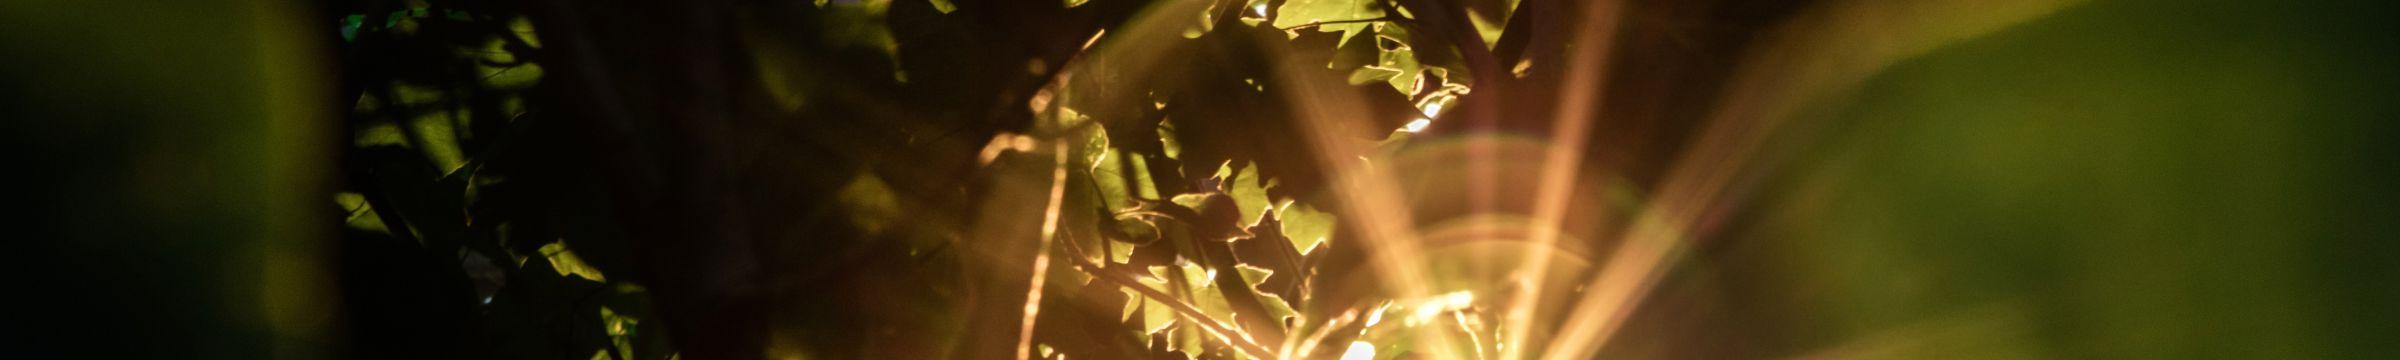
[
  {"x": 1303, "y": 12},
  {"x": 565, "y": 262}
]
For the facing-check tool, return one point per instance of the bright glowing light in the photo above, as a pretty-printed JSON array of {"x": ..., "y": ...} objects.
[
  {"x": 1432, "y": 108},
  {"x": 1376, "y": 317},
  {"x": 1261, "y": 9},
  {"x": 1440, "y": 304},
  {"x": 1359, "y": 350},
  {"x": 1418, "y": 125}
]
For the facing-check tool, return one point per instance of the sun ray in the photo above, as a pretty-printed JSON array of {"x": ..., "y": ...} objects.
[
  {"x": 1370, "y": 196},
  {"x": 1560, "y": 164},
  {"x": 1821, "y": 53}
]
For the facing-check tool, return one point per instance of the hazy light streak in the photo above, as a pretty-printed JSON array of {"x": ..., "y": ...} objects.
[
  {"x": 1417, "y": 125},
  {"x": 1439, "y": 304},
  {"x": 1942, "y": 334},
  {"x": 1156, "y": 24},
  {"x": 1563, "y": 159},
  {"x": 1295, "y": 347},
  {"x": 1472, "y": 337},
  {"x": 1041, "y": 252},
  {"x": 1791, "y": 68},
  {"x": 1629, "y": 274},
  {"x": 1370, "y": 197}
]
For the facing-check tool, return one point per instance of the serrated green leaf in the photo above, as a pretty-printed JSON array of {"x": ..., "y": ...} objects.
[
  {"x": 1304, "y": 225},
  {"x": 1157, "y": 275},
  {"x": 1396, "y": 55},
  {"x": 1194, "y": 201},
  {"x": 1123, "y": 253},
  {"x": 1249, "y": 195},
  {"x": 1252, "y": 274},
  {"x": 1303, "y": 12},
  {"x": 1131, "y": 306},
  {"x": 1277, "y": 307},
  {"x": 1371, "y": 73}
]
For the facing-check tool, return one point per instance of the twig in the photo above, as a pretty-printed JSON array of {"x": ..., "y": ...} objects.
[
  {"x": 1223, "y": 332},
  {"x": 1041, "y": 253},
  {"x": 1299, "y": 347},
  {"x": 1312, "y": 24}
]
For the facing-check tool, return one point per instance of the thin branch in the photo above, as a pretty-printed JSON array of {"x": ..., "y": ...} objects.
[
  {"x": 1216, "y": 327},
  {"x": 1312, "y": 24},
  {"x": 1041, "y": 253}
]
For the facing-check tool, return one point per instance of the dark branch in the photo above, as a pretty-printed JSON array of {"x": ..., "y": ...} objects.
[{"x": 1312, "y": 24}]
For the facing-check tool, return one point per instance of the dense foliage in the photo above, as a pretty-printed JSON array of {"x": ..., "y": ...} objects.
[
  {"x": 807, "y": 178},
  {"x": 899, "y": 179},
  {"x": 1122, "y": 179}
]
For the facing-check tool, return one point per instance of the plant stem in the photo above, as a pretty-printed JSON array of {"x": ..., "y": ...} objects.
[
  {"x": 1223, "y": 332},
  {"x": 1312, "y": 24}
]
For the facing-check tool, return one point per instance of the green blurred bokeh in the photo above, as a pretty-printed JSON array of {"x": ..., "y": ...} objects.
[
  {"x": 2121, "y": 179},
  {"x": 166, "y": 170}
]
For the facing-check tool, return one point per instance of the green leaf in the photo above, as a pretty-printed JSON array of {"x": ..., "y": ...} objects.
[
  {"x": 378, "y": 133},
  {"x": 1490, "y": 17},
  {"x": 1397, "y": 56},
  {"x": 1166, "y": 140},
  {"x": 620, "y": 330},
  {"x": 1094, "y": 147},
  {"x": 1305, "y": 225},
  {"x": 360, "y": 216},
  {"x": 1202, "y": 22},
  {"x": 871, "y": 204},
  {"x": 860, "y": 25},
  {"x": 350, "y": 26},
  {"x": 1303, "y": 12},
  {"x": 513, "y": 77},
  {"x": 566, "y": 263},
  {"x": 1249, "y": 195},
  {"x": 1253, "y": 274},
  {"x": 1118, "y": 185},
  {"x": 1155, "y": 316},
  {"x": 1370, "y": 74},
  {"x": 1278, "y": 307},
  {"x": 1194, "y": 201}
]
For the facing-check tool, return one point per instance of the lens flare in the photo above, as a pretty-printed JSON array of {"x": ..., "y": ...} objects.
[{"x": 1359, "y": 350}]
